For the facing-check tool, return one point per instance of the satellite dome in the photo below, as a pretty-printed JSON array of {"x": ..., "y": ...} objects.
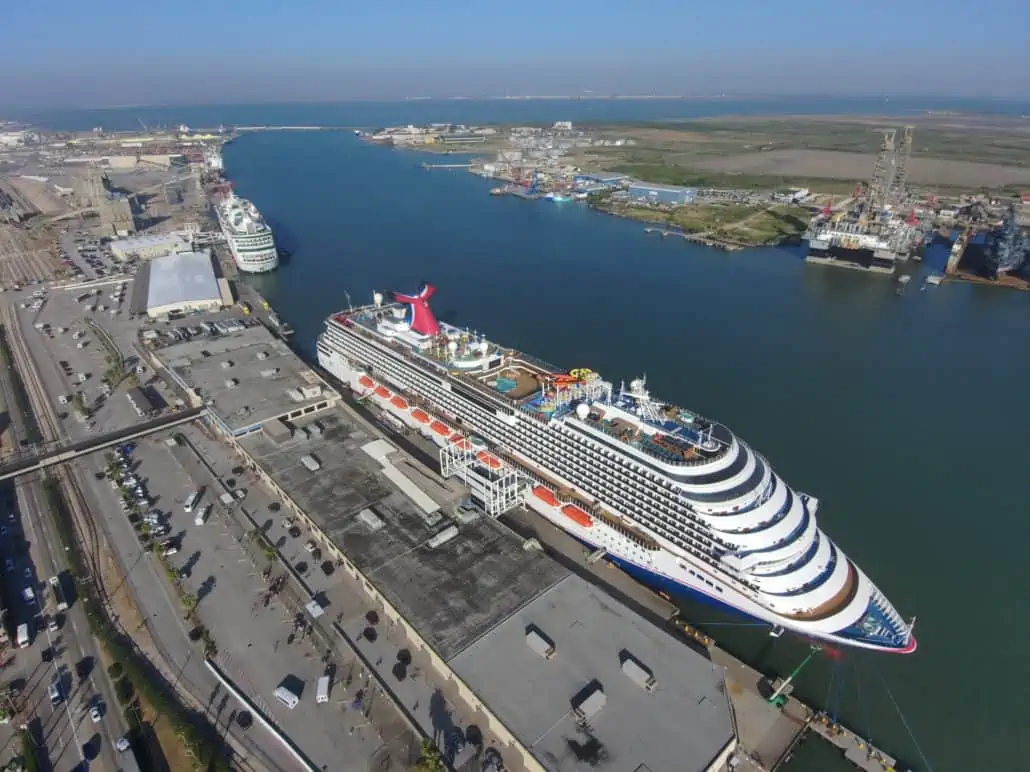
[
  {"x": 452, "y": 346},
  {"x": 582, "y": 411},
  {"x": 377, "y": 298}
]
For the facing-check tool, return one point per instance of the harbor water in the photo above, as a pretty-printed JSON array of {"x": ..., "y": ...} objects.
[{"x": 904, "y": 415}]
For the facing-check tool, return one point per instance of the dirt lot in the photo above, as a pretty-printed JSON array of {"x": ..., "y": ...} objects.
[
  {"x": 857, "y": 166},
  {"x": 39, "y": 194}
]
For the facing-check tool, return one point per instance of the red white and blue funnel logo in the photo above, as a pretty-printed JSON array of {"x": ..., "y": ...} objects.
[{"x": 419, "y": 317}]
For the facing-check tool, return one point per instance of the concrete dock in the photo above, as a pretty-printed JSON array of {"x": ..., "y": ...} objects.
[{"x": 767, "y": 734}]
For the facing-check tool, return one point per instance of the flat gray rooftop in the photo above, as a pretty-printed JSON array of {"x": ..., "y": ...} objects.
[
  {"x": 681, "y": 726},
  {"x": 188, "y": 277},
  {"x": 452, "y": 594},
  {"x": 206, "y": 363}
]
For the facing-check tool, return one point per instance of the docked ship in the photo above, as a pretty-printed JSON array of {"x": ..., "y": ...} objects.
[
  {"x": 248, "y": 235},
  {"x": 674, "y": 499}
]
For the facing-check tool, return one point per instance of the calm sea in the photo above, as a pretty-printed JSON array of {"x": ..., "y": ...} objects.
[{"x": 906, "y": 416}]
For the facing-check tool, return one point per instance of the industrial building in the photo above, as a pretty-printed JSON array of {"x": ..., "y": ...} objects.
[
  {"x": 601, "y": 178},
  {"x": 247, "y": 378},
  {"x": 179, "y": 284},
  {"x": 149, "y": 246},
  {"x": 661, "y": 194},
  {"x": 565, "y": 677}
]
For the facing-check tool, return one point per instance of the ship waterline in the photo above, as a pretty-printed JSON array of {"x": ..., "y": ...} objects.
[{"x": 673, "y": 498}]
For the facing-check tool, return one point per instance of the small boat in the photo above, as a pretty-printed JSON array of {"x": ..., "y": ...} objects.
[
  {"x": 545, "y": 495},
  {"x": 441, "y": 428},
  {"x": 420, "y": 415},
  {"x": 488, "y": 460},
  {"x": 382, "y": 392},
  {"x": 577, "y": 515},
  {"x": 399, "y": 402},
  {"x": 367, "y": 382}
]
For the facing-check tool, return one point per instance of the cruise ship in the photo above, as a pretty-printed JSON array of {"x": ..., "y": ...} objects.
[
  {"x": 249, "y": 237},
  {"x": 674, "y": 499}
]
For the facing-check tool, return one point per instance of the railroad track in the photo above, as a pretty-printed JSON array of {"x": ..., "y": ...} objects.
[{"x": 50, "y": 429}]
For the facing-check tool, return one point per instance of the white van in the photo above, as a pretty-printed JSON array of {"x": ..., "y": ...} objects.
[
  {"x": 23, "y": 636},
  {"x": 286, "y": 697},
  {"x": 190, "y": 502},
  {"x": 322, "y": 693}
]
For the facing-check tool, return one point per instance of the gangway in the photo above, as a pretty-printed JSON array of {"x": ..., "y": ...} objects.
[
  {"x": 596, "y": 555},
  {"x": 499, "y": 488}
]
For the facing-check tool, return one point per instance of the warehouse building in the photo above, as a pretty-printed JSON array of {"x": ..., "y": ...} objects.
[
  {"x": 669, "y": 195},
  {"x": 149, "y": 246},
  {"x": 179, "y": 284},
  {"x": 601, "y": 178}
]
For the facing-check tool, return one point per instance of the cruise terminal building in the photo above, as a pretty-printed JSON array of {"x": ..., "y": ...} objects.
[{"x": 558, "y": 675}]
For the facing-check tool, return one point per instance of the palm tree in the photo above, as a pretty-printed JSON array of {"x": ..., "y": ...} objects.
[{"x": 431, "y": 759}]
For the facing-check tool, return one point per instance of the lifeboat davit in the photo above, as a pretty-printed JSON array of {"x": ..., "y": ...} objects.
[
  {"x": 441, "y": 428},
  {"x": 420, "y": 415},
  {"x": 399, "y": 403},
  {"x": 367, "y": 382},
  {"x": 488, "y": 460},
  {"x": 382, "y": 392},
  {"x": 545, "y": 495},
  {"x": 577, "y": 515}
]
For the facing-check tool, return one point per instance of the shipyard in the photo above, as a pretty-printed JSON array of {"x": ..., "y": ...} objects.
[{"x": 886, "y": 219}]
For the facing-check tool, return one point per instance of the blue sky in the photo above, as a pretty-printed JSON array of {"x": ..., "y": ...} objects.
[{"x": 101, "y": 52}]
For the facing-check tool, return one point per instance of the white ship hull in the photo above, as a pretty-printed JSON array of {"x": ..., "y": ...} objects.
[{"x": 667, "y": 568}]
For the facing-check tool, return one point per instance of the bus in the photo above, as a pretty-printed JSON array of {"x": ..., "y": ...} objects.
[{"x": 189, "y": 503}]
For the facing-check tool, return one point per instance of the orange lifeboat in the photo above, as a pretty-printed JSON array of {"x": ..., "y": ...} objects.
[
  {"x": 382, "y": 391},
  {"x": 577, "y": 515},
  {"x": 488, "y": 460},
  {"x": 459, "y": 441},
  {"x": 421, "y": 416},
  {"x": 400, "y": 403},
  {"x": 367, "y": 382},
  {"x": 440, "y": 428},
  {"x": 545, "y": 495}
]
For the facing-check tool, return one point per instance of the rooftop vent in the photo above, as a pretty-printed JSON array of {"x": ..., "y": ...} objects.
[
  {"x": 226, "y": 364},
  {"x": 636, "y": 671},
  {"x": 271, "y": 373},
  {"x": 230, "y": 383},
  {"x": 262, "y": 355},
  {"x": 443, "y": 537},
  {"x": 370, "y": 519},
  {"x": 539, "y": 643},
  {"x": 589, "y": 701}
]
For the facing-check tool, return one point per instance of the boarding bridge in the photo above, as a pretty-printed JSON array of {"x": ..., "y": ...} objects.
[{"x": 497, "y": 489}]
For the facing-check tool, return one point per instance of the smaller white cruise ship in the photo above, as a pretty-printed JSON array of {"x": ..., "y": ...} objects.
[{"x": 249, "y": 237}]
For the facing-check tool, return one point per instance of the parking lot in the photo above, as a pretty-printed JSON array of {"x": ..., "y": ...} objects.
[
  {"x": 72, "y": 337},
  {"x": 86, "y": 256},
  {"x": 258, "y": 646},
  {"x": 406, "y": 670}
]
